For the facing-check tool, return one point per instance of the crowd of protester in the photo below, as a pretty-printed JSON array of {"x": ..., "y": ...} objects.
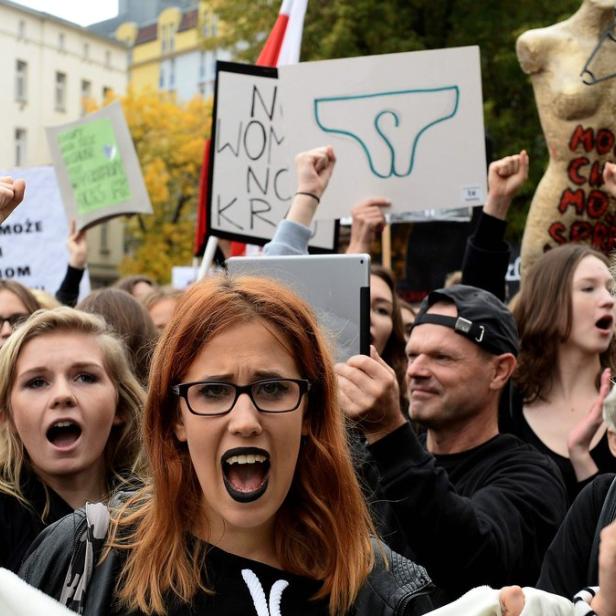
[{"x": 175, "y": 453}]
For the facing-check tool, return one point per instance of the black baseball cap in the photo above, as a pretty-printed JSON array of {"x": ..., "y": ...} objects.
[{"x": 482, "y": 318}]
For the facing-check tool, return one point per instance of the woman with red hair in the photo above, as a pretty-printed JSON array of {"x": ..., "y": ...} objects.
[{"x": 252, "y": 506}]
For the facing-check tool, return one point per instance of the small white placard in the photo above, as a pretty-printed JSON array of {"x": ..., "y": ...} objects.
[
  {"x": 472, "y": 195},
  {"x": 182, "y": 277}
]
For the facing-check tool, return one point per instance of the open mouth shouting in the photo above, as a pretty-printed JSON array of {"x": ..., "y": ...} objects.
[
  {"x": 63, "y": 434},
  {"x": 245, "y": 472},
  {"x": 605, "y": 324}
]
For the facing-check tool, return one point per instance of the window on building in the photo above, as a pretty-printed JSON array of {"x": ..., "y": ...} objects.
[
  {"x": 172, "y": 73},
  {"x": 61, "y": 41},
  {"x": 108, "y": 59},
  {"x": 163, "y": 39},
  {"x": 86, "y": 94},
  {"x": 171, "y": 38},
  {"x": 21, "y": 81},
  {"x": 202, "y": 65},
  {"x": 60, "y": 92},
  {"x": 86, "y": 51},
  {"x": 20, "y": 147},
  {"x": 161, "y": 79},
  {"x": 104, "y": 245},
  {"x": 210, "y": 25},
  {"x": 21, "y": 29},
  {"x": 212, "y": 70},
  {"x": 107, "y": 91},
  {"x": 167, "y": 38}
]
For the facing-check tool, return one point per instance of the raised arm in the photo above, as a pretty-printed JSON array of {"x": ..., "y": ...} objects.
[
  {"x": 68, "y": 293},
  {"x": 487, "y": 254},
  {"x": 314, "y": 170},
  {"x": 609, "y": 177},
  {"x": 11, "y": 195},
  {"x": 368, "y": 222}
]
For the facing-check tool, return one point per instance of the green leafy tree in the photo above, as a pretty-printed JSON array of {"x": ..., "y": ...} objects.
[{"x": 346, "y": 28}]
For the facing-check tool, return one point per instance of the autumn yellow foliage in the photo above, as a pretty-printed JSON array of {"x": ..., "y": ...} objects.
[{"x": 169, "y": 138}]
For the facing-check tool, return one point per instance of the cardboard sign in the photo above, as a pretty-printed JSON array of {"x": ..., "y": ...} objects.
[
  {"x": 33, "y": 238},
  {"x": 250, "y": 181},
  {"x": 406, "y": 126},
  {"x": 97, "y": 167}
]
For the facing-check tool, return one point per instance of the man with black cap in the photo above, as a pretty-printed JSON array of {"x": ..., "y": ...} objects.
[{"x": 473, "y": 506}]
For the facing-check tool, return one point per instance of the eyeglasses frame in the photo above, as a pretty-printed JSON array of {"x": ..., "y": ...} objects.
[{"x": 181, "y": 390}]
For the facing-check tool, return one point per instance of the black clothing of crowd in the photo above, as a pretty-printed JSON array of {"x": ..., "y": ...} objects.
[{"x": 488, "y": 514}]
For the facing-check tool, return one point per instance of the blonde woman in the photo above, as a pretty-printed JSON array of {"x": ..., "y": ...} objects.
[{"x": 70, "y": 408}]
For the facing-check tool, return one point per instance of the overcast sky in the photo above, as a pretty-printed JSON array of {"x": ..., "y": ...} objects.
[{"x": 82, "y": 12}]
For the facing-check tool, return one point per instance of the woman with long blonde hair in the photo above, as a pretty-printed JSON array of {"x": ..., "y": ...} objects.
[
  {"x": 70, "y": 408},
  {"x": 253, "y": 506}
]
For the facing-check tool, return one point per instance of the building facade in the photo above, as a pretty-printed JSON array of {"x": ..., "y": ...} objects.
[
  {"x": 50, "y": 66},
  {"x": 164, "y": 47},
  {"x": 167, "y": 54},
  {"x": 139, "y": 11}
]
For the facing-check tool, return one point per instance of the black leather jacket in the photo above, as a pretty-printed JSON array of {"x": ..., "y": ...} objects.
[{"x": 400, "y": 588}]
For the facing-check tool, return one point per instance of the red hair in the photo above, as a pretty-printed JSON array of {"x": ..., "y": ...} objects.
[{"x": 323, "y": 525}]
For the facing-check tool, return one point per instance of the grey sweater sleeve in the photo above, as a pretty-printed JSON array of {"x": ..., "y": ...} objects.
[{"x": 291, "y": 238}]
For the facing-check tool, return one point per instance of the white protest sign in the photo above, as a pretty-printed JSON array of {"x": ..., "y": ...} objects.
[
  {"x": 250, "y": 181},
  {"x": 33, "y": 238},
  {"x": 406, "y": 126},
  {"x": 183, "y": 276},
  {"x": 97, "y": 167}
]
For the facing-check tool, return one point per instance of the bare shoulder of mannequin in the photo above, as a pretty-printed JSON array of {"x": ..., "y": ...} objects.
[{"x": 534, "y": 46}]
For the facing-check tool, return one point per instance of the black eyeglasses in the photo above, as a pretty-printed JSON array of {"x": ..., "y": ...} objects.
[
  {"x": 218, "y": 398},
  {"x": 13, "y": 319}
]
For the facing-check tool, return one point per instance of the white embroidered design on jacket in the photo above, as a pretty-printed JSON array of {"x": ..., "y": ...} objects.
[{"x": 258, "y": 595}]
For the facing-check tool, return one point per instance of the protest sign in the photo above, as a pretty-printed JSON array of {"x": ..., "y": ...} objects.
[
  {"x": 183, "y": 276},
  {"x": 250, "y": 186},
  {"x": 97, "y": 167},
  {"x": 406, "y": 126},
  {"x": 33, "y": 238}
]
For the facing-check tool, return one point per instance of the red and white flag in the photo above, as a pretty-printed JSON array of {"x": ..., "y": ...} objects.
[
  {"x": 282, "y": 47},
  {"x": 285, "y": 40}
]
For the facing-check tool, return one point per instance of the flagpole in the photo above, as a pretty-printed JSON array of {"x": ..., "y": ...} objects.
[
  {"x": 208, "y": 257},
  {"x": 281, "y": 47}
]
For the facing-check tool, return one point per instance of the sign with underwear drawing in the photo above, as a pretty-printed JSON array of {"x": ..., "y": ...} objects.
[
  {"x": 97, "y": 168},
  {"x": 407, "y": 126},
  {"x": 251, "y": 185}
]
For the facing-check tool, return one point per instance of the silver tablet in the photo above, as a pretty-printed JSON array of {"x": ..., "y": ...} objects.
[{"x": 336, "y": 286}]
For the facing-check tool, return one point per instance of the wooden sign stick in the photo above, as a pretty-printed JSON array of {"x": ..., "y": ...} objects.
[{"x": 386, "y": 246}]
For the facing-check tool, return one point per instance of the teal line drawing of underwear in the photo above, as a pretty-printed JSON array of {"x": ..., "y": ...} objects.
[{"x": 400, "y": 118}]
